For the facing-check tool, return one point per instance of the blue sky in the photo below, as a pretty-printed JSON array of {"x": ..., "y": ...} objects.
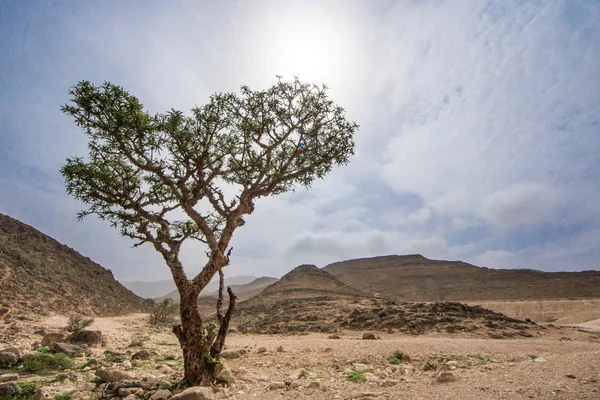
[{"x": 479, "y": 139}]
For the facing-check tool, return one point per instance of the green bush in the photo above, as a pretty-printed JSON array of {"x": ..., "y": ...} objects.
[
  {"x": 78, "y": 322},
  {"x": 65, "y": 396},
  {"x": 170, "y": 357},
  {"x": 48, "y": 362},
  {"x": 355, "y": 376},
  {"x": 26, "y": 391},
  {"x": 396, "y": 357},
  {"x": 44, "y": 350}
]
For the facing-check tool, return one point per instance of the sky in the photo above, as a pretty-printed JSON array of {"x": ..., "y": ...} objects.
[{"x": 479, "y": 133}]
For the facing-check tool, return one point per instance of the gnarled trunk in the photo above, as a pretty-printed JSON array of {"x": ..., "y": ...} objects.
[{"x": 201, "y": 347}]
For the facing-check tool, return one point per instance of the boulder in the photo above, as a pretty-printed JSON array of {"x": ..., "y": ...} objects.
[
  {"x": 226, "y": 376},
  {"x": 445, "y": 377},
  {"x": 9, "y": 357},
  {"x": 6, "y": 389},
  {"x": 141, "y": 355},
  {"x": 195, "y": 393},
  {"x": 53, "y": 337},
  {"x": 369, "y": 336},
  {"x": 113, "y": 375},
  {"x": 233, "y": 353},
  {"x": 91, "y": 338},
  {"x": 70, "y": 349},
  {"x": 162, "y": 394}
]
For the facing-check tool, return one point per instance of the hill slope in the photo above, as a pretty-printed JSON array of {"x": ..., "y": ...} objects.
[
  {"x": 150, "y": 290},
  {"x": 38, "y": 274},
  {"x": 213, "y": 286},
  {"x": 416, "y": 278}
]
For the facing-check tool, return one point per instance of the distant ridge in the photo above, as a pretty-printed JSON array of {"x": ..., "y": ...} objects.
[
  {"x": 39, "y": 274},
  {"x": 416, "y": 278}
]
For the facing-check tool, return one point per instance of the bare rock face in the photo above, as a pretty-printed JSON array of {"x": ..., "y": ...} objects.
[
  {"x": 195, "y": 393},
  {"x": 91, "y": 338},
  {"x": 53, "y": 337}
]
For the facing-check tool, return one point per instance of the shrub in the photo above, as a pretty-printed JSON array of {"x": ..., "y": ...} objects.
[
  {"x": 114, "y": 358},
  {"x": 396, "y": 357},
  {"x": 138, "y": 339},
  {"x": 43, "y": 350},
  {"x": 78, "y": 322},
  {"x": 48, "y": 362},
  {"x": 355, "y": 376},
  {"x": 26, "y": 391},
  {"x": 65, "y": 396},
  {"x": 170, "y": 357},
  {"x": 163, "y": 313}
]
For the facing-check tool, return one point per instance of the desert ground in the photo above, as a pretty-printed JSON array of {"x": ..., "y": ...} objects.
[{"x": 560, "y": 362}]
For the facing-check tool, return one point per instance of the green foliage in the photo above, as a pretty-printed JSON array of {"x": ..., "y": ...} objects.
[
  {"x": 163, "y": 313},
  {"x": 26, "y": 391},
  {"x": 396, "y": 357},
  {"x": 170, "y": 357},
  {"x": 48, "y": 362},
  {"x": 65, "y": 396},
  {"x": 303, "y": 374},
  {"x": 355, "y": 376},
  {"x": 95, "y": 380},
  {"x": 114, "y": 358},
  {"x": 43, "y": 350},
  {"x": 78, "y": 322},
  {"x": 271, "y": 387}
]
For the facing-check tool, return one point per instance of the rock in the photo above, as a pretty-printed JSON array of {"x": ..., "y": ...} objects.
[
  {"x": 280, "y": 349},
  {"x": 294, "y": 385},
  {"x": 334, "y": 337},
  {"x": 262, "y": 350},
  {"x": 540, "y": 360},
  {"x": 277, "y": 385},
  {"x": 165, "y": 368},
  {"x": 4, "y": 312},
  {"x": 226, "y": 376},
  {"x": 93, "y": 363},
  {"x": 112, "y": 375},
  {"x": 53, "y": 337},
  {"x": 9, "y": 377},
  {"x": 233, "y": 353},
  {"x": 131, "y": 397},
  {"x": 161, "y": 394},
  {"x": 29, "y": 355},
  {"x": 91, "y": 338},
  {"x": 62, "y": 377},
  {"x": 445, "y": 377},
  {"x": 141, "y": 355},
  {"x": 114, "y": 353},
  {"x": 50, "y": 392},
  {"x": 361, "y": 367},
  {"x": 123, "y": 392},
  {"x": 297, "y": 374},
  {"x": 127, "y": 364},
  {"x": 85, "y": 386},
  {"x": 314, "y": 385},
  {"x": 195, "y": 393},
  {"x": 428, "y": 366},
  {"x": 327, "y": 350},
  {"x": 6, "y": 389},
  {"x": 312, "y": 375},
  {"x": 70, "y": 349},
  {"x": 369, "y": 336},
  {"x": 9, "y": 357}
]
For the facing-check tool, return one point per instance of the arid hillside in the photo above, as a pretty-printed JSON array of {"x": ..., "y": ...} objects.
[
  {"x": 416, "y": 278},
  {"x": 38, "y": 274}
]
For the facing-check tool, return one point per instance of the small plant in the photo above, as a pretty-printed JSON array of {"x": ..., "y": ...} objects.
[
  {"x": 114, "y": 358},
  {"x": 163, "y": 313},
  {"x": 65, "y": 396},
  {"x": 303, "y": 374},
  {"x": 26, "y": 391},
  {"x": 43, "y": 350},
  {"x": 78, "y": 322},
  {"x": 48, "y": 362},
  {"x": 396, "y": 357},
  {"x": 96, "y": 380},
  {"x": 355, "y": 376},
  {"x": 138, "y": 339},
  {"x": 271, "y": 387},
  {"x": 169, "y": 357}
]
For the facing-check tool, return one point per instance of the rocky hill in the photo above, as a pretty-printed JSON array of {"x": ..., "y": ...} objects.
[
  {"x": 236, "y": 282},
  {"x": 416, "y": 278},
  {"x": 39, "y": 274}
]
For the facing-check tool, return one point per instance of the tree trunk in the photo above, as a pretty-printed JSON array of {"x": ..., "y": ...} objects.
[{"x": 201, "y": 347}]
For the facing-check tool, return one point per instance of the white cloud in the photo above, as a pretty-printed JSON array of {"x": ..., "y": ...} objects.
[
  {"x": 496, "y": 259},
  {"x": 421, "y": 215}
]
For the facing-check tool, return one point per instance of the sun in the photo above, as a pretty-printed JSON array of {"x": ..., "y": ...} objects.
[{"x": 313, "y": 42}]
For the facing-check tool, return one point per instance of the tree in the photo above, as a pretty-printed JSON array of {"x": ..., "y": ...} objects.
[{"x": 167, "y": 178}]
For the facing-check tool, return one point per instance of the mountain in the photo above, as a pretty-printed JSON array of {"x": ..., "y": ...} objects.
[
  {"x": 39, "y": 274},
  {"x": 213, "y": 286},
  {"x": 248, "y": 290},
  {"x": 150, "y": 290},
  {"x": 416, "y": 278},
  {"x": 306, "y": 281}
]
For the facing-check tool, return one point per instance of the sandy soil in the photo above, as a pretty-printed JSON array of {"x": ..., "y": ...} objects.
[{"x": 563, "y": 363}]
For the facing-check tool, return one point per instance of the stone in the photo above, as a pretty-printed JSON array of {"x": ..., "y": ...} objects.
[
  {"x": 29, "y": 355},
  {"x": 428, "y": 366},
  {"x": 280, "y": 349},
  {"x": 112, "y": 375},
  {"x": 6, "y": 389},
  {"x": 85, "y": 386},
  {"x": 123, "y": 392},
  {"x": 369, "y": 336},
  {"x": 53, "y": 337},
  {"x": 361, "y": 367},
  {"x": 262, "y": 350},
  {"x": 445, "y": 377},
  {"x": 226, "y": 376},
  {"x": 127, "y": 364},
  {"x": 195, "y": 393},
  {"x": 571, "y": 376},
  {"x": 277, "y": 385},
  {"x": 9, "y": 357},
  {"x": 297, "y": 374},
  {"x": 70, "y": 349},
  {"x": 4, "y": 313},
  {"x": 369, "y": 377},
  {"x": 91, "y": 338},
  {"x": 9, "y": 377},
  {"x": 233, "y": 353},
  {"x": 141, "y": 355},
  {"x": 161, "y": 394},
  {"x": 334, "y": 337},
  {"x": 93, "y": 363},
  {"x": 314, "y": 385},
  {"x": 49, "y": 392},
  {"x": 540, "y": 360},
  {"x": 327, "y": 350},
  {"x": 131, "y": 397},
  {"x": 114, "y": 353},
  {"x": 294, "y": 385}
]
